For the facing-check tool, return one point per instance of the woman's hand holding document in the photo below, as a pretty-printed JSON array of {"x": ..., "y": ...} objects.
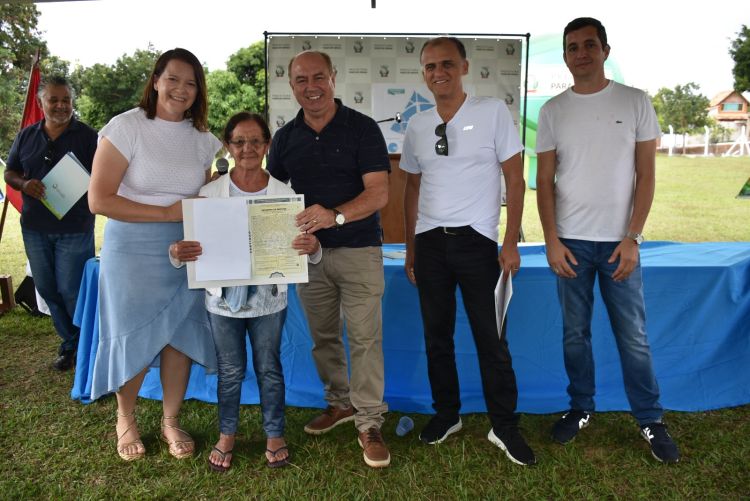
[{"x": 244, "y": 240}]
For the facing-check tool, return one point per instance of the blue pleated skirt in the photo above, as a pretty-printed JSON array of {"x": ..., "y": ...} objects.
[{"x": 145, "y": 305}]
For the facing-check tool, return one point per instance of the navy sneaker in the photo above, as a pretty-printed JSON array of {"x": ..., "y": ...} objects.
[
  {"x": 438, "y": 430},
  {"x": 567, "y": 427},
  {"x": 512, "y": 442},
  {"x": 663, "y": 447}
]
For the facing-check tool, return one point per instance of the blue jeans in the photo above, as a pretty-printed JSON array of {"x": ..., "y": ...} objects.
[
  {"x": 57, "y": 261},
  {"x": 627, "y": 316},
  {"x": 265, "y": 339}
]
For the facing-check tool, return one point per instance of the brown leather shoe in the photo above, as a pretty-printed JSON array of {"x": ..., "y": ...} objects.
[
  {"x": 376, "y": 452},
  {"x": 331, "y": 417}
]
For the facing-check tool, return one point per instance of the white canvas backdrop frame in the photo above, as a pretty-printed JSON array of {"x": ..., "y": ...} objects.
[{"x": 379, "y": 74}]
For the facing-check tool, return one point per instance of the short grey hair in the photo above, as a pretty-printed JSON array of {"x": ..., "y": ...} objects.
[{"x": 55, "y": 81}]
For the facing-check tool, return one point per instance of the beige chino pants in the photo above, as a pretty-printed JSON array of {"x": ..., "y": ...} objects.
[{"x": 348, "y": 282}]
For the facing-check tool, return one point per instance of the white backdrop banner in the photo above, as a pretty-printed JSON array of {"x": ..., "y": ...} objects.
[{"x": 380, "y": 75}]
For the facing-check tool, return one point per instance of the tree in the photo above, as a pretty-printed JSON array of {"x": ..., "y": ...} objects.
[
  {"x": 19, "y": 41},
  {"x": 719, "y": 133},
  {"x": 107, "y": 91},
  {"x": 227, "y": 96},
  {"x": 53, "y": 65},
  {"x": 740, "y": 51},
  {"x": 249, "y": 65},
  {"x": 681, "y": 108}
]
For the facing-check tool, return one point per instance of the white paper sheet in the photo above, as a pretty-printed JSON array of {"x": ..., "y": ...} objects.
[
  {"x": 220, "y": 225},
  {"x": 503, "y": 293}
]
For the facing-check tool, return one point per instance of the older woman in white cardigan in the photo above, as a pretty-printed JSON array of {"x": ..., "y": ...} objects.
[{"x": 257, "y": 311}]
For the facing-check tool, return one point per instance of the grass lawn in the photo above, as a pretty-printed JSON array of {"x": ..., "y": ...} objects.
[
  {"x": 694, "y": 202},
  {"x": 55, "y": 448}
]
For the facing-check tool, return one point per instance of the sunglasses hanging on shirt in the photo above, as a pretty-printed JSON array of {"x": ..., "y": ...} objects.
[{"x": 441, "y": 147}]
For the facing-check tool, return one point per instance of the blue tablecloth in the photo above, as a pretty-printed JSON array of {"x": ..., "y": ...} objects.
[{"x": 698, "y": 320}]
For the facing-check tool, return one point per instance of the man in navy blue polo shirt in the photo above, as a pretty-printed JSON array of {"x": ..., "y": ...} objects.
[
  {"x": 338, "y": 159},
  {"x": 57, "y": 249}
]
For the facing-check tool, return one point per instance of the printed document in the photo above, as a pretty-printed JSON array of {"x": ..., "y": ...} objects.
[{"x": 245, "y": 240}]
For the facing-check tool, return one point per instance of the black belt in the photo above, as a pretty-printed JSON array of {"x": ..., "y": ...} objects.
[{"x": 456, "y": 230}]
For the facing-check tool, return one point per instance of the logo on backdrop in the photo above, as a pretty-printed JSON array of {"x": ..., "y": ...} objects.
[{"x": 417, "y": 102}]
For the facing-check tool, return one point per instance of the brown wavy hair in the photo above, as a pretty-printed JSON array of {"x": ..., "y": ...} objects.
[{"x": 198, "y": 112}]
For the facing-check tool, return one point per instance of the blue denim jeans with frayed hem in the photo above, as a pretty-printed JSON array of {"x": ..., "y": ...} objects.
[
  {"x": 57, "y": 261},
  {"x": 627, "y": 316},
  {"x": 231, "y": 354}
]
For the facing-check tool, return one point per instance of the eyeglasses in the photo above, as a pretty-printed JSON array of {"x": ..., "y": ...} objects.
[
  {"x": 255, "y": 143},
  {"x": 441, "y": 147},
  {"x": 49, "y": 152}
]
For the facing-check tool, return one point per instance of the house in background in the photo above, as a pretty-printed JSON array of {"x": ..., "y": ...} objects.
[{"x": 730, "y": 109}]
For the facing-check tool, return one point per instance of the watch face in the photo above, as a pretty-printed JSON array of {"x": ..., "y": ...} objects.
[
  {"x": 637, "y": 237},
  {"x": 340, "y": 219}
]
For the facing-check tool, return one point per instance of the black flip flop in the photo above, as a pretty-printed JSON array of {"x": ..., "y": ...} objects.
[
  {"x": 218, "y": 468},
  {"x": 281, "y": 462}
]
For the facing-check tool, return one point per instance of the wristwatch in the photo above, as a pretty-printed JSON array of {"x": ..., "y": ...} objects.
[
  {"x": 635, "y": 236},
  {"x": 339, "y": 218}
]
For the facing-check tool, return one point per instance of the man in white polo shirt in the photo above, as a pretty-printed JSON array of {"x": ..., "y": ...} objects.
[{"x": 452, "y": 209}]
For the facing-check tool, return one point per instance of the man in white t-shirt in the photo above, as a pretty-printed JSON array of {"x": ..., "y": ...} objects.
[
  {"x": 452, "y": 209},
  {"x": 596, "y": 148}
]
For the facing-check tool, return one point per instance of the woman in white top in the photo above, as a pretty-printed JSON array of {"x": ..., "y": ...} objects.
[
  {"x": 148, "y": 160},
  {"x": 255, "y": 311}
]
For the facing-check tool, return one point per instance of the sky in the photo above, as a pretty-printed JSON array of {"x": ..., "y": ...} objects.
[{"x": 656, "y": 43}]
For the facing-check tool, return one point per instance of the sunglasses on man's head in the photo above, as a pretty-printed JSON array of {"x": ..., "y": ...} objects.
[
  {"x": 49, "y": 152},
  {"x": 441, "y": 147}
]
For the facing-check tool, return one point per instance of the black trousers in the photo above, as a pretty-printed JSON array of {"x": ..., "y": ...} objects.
[{"x": 443, "y": 259}]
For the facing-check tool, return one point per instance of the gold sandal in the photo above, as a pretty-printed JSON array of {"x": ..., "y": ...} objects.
[
  {"x": 121, "y": 448},
  {"x": 180, "y": 449}
]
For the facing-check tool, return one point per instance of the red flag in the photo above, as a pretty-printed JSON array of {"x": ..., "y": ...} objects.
[{"x": 32, "y": 113}]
